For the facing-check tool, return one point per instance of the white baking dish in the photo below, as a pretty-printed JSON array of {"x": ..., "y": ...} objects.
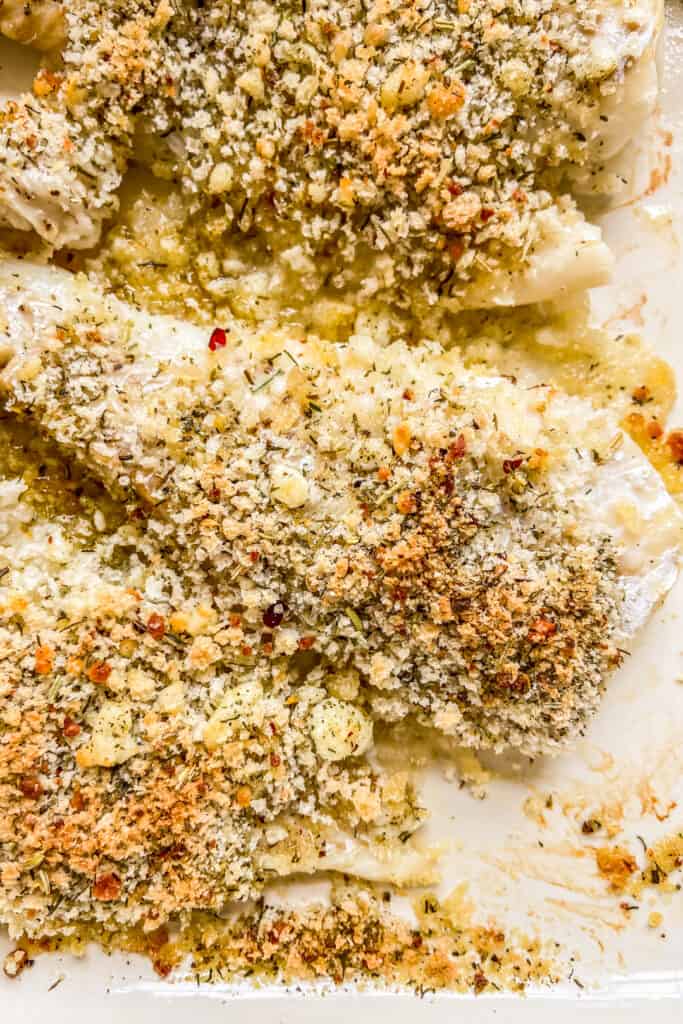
[{"x": 633, "y": 754}]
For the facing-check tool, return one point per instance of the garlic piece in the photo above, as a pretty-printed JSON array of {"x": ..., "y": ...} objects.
[
  {"x": 339, "y": 730},
  {"x": 289, "y": 486}
]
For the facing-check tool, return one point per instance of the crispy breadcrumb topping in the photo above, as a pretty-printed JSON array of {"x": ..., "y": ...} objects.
[
  {"x": 378, "y": 506},
  {"x": 356, "y": 938},
  {"x": 404, "y": 140}
]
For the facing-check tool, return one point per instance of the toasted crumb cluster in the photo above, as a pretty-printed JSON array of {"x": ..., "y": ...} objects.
[{"x": 358, "y": 938}]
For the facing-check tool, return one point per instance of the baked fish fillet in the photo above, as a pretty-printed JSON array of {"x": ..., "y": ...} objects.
[
  {"x": 475, "y": 550},
  {"x": 440, "y": 138},
  {"x": 147, "y": 767}
]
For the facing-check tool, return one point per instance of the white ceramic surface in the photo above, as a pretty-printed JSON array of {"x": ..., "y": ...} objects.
[{"x": 628, "y": 971}]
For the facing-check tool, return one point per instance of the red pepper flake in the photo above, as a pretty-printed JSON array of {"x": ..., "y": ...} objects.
[
  {"x": 156, "y": 625},
  {"x": 511, "y": 464},
  {"x": 487, "y": 213},
  {"x": 274, "y": 614},
  {"x": 247, "y": 650},
  {"x": 218, "y": 339},
  {"x": 70, "y": 728},
  {"x": 44, "y": 658},
  {"x": 306, "y": 642},
  {"x": 455, "y": 188},
  {"x": 457, "y": 449},
  {"x": 99, "y": 672},
  {"x": 276, "y": 931},
  {"x": 254, "y": 556},
  {"x": 107, "y": 887},
  {"x": 541, "y": 630},
  {"x": 30, "y": 787},
  {"x": 275, "y": 760},
  {"x": 480, "y": 982}
]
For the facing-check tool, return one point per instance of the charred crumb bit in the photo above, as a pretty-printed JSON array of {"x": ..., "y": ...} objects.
[
  {"x": 641, "y": 395},
  {"x": 274, "y": 615},
  {"x": 218, "y": 339},
  {"x": 479, "y": 982},
  {"x": 31, "y": 787},
  {"x": 70, "y": 728},
  {"x": 675, "y": 444},
  {"x": 107, "y": 887},
  {"x": 654, "y": 874},
  {"x": 16, "y": 962}
]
